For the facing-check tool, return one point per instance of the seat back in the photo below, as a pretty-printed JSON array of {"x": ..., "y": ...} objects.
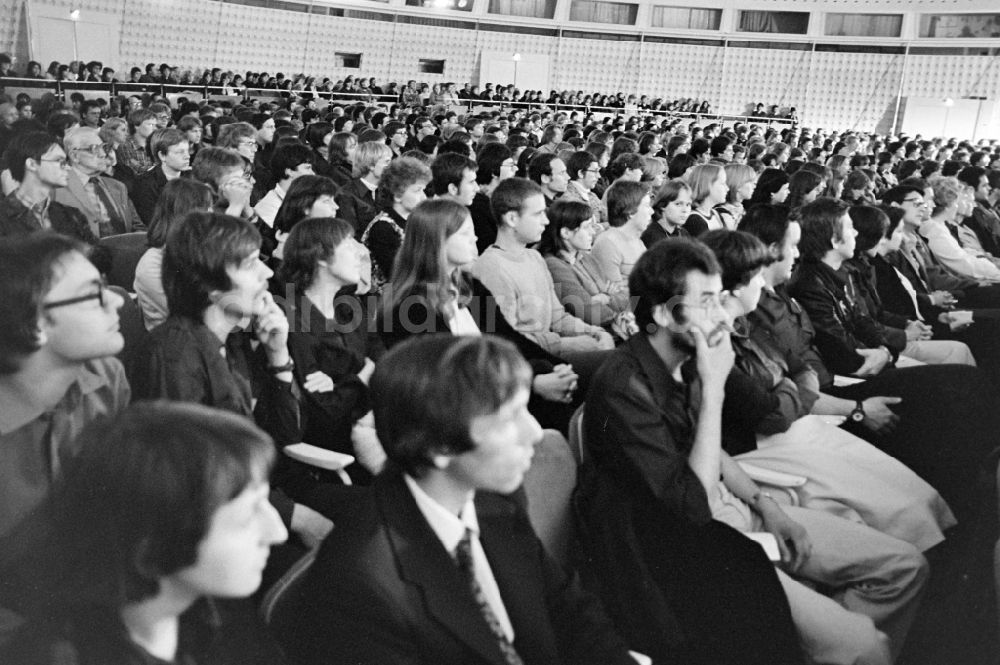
[
  {"x": 126, "y": 249},
  {"x": 549, "y": 485}
]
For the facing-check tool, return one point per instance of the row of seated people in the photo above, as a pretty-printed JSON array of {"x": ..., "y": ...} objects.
[
  {"x": 410, "y": 93},
  {"x": 214, "y": 281},
  {"x": 522, "y": 209}
]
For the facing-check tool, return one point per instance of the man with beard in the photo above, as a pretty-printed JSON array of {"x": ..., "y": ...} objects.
[{"x": 664, "y": 507}]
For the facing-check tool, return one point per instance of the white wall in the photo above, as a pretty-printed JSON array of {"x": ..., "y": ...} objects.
[{"x": 828, "y": 89}]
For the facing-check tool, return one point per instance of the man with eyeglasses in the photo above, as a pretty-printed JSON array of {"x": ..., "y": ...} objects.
[
  {"x": 584, "y": 172},
  {"x": 396, "y": 137},
  {"x": 58, "y": 338},
  {"x": 103, "y": 201},
  {"x": 39, "y": 164}
]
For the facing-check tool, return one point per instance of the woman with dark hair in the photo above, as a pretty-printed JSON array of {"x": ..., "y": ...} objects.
[
  {"x": 909, "y": 338},
  {"x": 130, "y": 565},
  {"x": 804, "y": 186},
  {"x": 400, "y": 191},
  {"x": 317, "y": 137},
  {"x": 179, "y": 197},
  {"x": 581, "y": 287},
  {"x": 329, "y": 342},
  {"x": 307, "y": 196},
  {"x": 772, "y": 187},
  {"x": 340, "y": 151},
  {"x": 857, "y": 188},
  {"x": 431, "y": 292}
]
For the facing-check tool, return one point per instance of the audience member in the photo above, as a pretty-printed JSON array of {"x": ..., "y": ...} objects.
[
  {"x": 130, "y": 565},
  {"x": 173, "y": 160},
  {"x": 103, "y": 200},
  {"x": 356, "y": 199},
  {"x": 616, "y": 250},
  {"x": 452, "y": 415},
  {"x": 39, "y": 166}
]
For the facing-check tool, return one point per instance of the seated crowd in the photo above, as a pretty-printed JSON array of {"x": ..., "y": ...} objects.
[{"x": 425, "y": 300}]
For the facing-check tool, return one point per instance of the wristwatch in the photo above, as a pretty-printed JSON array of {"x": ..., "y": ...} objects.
[
  {"x": 858, "y": 414},
  {"x": 278, "y": 369}
]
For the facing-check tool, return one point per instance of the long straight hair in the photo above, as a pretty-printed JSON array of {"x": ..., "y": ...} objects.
[{"x": 421, "y": 267}]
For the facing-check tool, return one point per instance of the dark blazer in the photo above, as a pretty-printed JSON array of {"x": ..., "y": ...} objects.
[
  {"x": 75, "y": 196},
  {"x": 146, "y": 192},
  {"x": 383, "y": 590},
  {"x": 356, "y": 205}
]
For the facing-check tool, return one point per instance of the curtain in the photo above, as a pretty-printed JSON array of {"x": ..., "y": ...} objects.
[
  {"x": 686, "y": 18},
  {"x": 795, "y": 23},
  {"x": 864, "y": 25},
  {"x": 596, "y": 11},
  {"x": 530, "y": 8}
]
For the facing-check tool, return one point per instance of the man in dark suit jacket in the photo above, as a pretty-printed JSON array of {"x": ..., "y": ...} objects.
[
  {"x": 392, "y": 583},
  {"x": 103, "y": 201},
  {"x": 173, "y": 157}
]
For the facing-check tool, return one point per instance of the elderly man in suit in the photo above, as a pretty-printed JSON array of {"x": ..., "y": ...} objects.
[
  {"x": 103, "y": 201},
  {"x": 434, "y": 564}
]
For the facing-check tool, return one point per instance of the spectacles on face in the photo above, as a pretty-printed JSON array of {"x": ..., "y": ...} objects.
[
  {"x": 98, "y": 149},
  {"x": 595, "y": 169},
  {"x": 920, "y": 203},
  {"x": 249, "y": 143},
  {"x": 400, "y": 132},
  {"x": 62, "y": 162},
  {"x": 100, "y": 296}
]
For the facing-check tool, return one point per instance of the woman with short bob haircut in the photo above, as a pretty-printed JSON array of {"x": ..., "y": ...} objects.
[
  {"x": 582, "y": 288},
  {"x": 708, "y": 189},
  {"x": 131, "y": 563},
  {"x": 741, "y": 180},
  {"x": 178, "y": 198}
]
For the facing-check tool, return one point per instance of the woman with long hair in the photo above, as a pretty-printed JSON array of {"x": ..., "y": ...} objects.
[
  {"x": 804, "y": 187},
  {"x": 341, "y": 150},
  {"x": 772, "y": 188},
  {"x": 307, "y": 196},
  {"x": 431, "y": 292}
]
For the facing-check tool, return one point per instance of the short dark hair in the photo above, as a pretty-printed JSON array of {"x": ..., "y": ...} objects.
[
  {"x": 623, "y": 198},
  {"x": 579, "y": 161},
  {"x": 740, "y": 255},
  {"x": 768, "y": 222},
  {"x": 898, "y": 193},
  {"x": 165, "y": 469},
  {"x": 299, "y": 199},
  {"x": 871, "y": 223},
  {"x": 288, "y": 156},
  {"x": 427, "y": 390},
  {"x": 29, "y": 265},
  {"x": 448, "y": 169},
  {"x": 660, "y": 275},
  {"x": 310, "y": 241},
  {"x": 626, "y": 161},
  {"x": 820, "y": 222},
  {"x": 30, "y": 145},
  {"x": 198, "y": 251},
  {"x": 562, "y": 214},
  {"x": 719, "y": 145},
  {"x": 541, "y": 164},
  {"x": 489, "y": 159},
  {"x": 970, "y": 175},
  {"x": 510, "y": 195}
]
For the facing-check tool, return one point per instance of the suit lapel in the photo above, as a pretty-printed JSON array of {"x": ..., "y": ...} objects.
[
  {"x": 424, "y": 563},
  {"x": 509, "y": 551},
  {"x": 76, "y": 189}
]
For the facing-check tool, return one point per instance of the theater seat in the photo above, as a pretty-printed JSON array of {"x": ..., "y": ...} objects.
[
  {"x": 125, "y": 249},
  {"x": 549, "y": 486}
]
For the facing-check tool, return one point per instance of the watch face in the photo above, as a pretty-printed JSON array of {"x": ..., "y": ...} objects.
[{"x": 857, "y": 416}]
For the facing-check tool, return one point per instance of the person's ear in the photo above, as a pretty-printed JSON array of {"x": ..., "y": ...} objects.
[
  {"x": 510, "y": 218},
  {"x": 453, "y": 189},
  {"x": 441, "y": 461},
  {"x": 663, "y": 316}
]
